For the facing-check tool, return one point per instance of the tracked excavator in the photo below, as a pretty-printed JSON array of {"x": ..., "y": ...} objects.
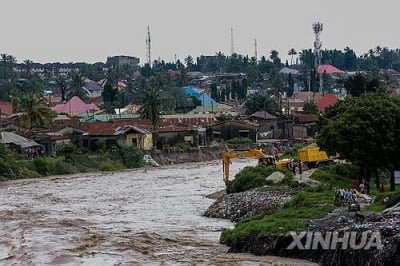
[{"x": 252, "y": 153}]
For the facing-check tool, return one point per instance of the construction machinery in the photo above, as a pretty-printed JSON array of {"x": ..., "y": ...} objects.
[
  {"x": 312, "y": 157},
  {"x": 252, "y": 153}
]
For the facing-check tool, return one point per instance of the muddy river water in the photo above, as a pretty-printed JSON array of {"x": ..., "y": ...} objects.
[{"x": 142, "y": 217}]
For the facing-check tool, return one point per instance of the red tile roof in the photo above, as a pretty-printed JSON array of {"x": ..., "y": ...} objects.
[
  {"x": 329, "y": 69},
  {"x": 6, "y": 108},
  {"x": 328, "y": 100}
]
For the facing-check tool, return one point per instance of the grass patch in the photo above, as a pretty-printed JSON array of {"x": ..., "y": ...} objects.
[
  {"x": 312, "y": 203},
  {"x": 280, "y": 222},
  {"x": 384, "y": 200}
]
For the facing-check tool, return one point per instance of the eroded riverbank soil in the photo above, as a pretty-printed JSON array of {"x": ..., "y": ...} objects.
[{"x": 387, "y": 224}]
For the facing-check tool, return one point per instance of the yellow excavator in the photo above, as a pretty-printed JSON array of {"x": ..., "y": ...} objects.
[{"x": 253, "y": 153}]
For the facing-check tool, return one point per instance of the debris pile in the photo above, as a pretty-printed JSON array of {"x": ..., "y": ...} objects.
[{"x": 240, "y": 205}]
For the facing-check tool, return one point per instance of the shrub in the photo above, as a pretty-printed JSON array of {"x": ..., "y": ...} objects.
[
  {"x": 344, "y": 170},
  {"x": 69, "y": 151},
  {"x": 111, "y": 166},
  {"x": 182, "y": 146},
  {"x": 252, "y": 177},
  {"x": 131, "y": 156},
  {"x": 40, "y": 165},
  {"x": 30, "y": 174}
]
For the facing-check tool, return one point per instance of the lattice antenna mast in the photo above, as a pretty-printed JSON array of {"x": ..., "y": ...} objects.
[
  {"x": 148, "y": 46},
  {"x": 317, "y": 28},
  {"x": 232, "y": 46},
  {"x": 255, "y": 49}
]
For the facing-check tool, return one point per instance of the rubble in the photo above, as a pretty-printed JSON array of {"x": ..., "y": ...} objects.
[
  {"x": 386, "y": 223},
  {"x": 240, "y": 205}
]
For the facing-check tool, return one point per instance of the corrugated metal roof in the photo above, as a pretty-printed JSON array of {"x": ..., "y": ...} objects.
[{"x": 11, "y": 138}]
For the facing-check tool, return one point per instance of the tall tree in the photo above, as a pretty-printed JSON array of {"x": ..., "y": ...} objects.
[
  {"x": 34, "y": 113},
  {"x": 151, "y": 103},
  {"x": 256, "y": 102},
  {"x": 292, "y": 52},
  {"x": 364, "y": 131},
  {"x": 77, "y": 87}
]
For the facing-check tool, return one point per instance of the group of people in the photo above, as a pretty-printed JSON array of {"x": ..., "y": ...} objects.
[
  {"x": 364, "y": 187},
  {"x": 345, "y": 196}
]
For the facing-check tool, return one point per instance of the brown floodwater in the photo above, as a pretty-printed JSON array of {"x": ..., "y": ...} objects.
[{"x": 141, "y": 217}]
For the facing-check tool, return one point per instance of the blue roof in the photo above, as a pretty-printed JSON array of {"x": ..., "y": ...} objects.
[{"x": 204, "y": 98}]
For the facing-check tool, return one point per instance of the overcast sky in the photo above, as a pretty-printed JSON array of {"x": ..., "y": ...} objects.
[{"x": 90, "y": 30}]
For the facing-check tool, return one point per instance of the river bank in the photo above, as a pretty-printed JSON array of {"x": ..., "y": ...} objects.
[
  {"x": 384, "y": 250},
  {"x": 311, "y": 213}
]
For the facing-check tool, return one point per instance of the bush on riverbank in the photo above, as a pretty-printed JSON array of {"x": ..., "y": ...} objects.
[
  {"x": 70, "y": 161},
  {"x": 255, "y": 176},
  {"x": 312, "y": 203}
]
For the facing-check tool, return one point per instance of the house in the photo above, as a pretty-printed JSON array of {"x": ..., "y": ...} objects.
[
  {"x": 233, "y": 129},
  {"x": 115, "y": 133},
  {"x": 19, "y": 143},
  {"x": 329, "y": 69},
  {"x": 75, "y": 107},
  {"x": 93, "y": 88},
  {"x": 6, "y": 109},
  {"x": 266, "y": 122},
  {"x": 304, "y": 125},
  {"x": 329, "y": 99}
]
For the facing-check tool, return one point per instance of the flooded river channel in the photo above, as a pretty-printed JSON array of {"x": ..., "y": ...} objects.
[{"x": 141, "y": 217}]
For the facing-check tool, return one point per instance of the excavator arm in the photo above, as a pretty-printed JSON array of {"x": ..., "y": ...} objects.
[{"x": 228, "y": 155}]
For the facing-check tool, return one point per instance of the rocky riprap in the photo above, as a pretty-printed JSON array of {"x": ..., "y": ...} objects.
[
  {"x": 387, "y": 223},
  {"x": 236, "y": 206}
]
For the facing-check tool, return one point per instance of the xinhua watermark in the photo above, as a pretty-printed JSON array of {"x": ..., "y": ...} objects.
[{"x": 334, "y": 240}]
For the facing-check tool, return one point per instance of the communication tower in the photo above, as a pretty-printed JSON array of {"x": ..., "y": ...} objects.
[
  {"x": 148, "y": 46},
  {"x": 317, "y": 28}
]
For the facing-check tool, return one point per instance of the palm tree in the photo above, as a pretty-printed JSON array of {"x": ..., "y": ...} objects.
[
  {"x": 292, "y": 52},
  {"x": 28, "y": 68},
  {"x": 62, "y": 85},
  {"x": 34, "y": 113},
  {"x": 150, "y": 108},
  {"x": 77, "y": 87}
]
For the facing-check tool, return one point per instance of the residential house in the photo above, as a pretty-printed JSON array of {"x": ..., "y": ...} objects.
[
  {"x": 327, "y": 100},
  {"x": 118, "y": 132},
  {"x": 304, "y": 125},
  {"x": 266, "y": 122},
  {"x": 233, "y": 129},
  {"x": 20, "y": 144},
  {"x": 6, "y": 109},
  {"x": 75, "y": 107}
]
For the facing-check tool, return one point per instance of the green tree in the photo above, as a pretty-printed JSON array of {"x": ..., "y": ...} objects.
[
  {"x": 214, "y": 92},
  {"x": 274, "y": 56},
  {"x": 364, "y": 131},
  {"x": 151, "y": 102},
  {"x": 256, "y": 102},
  {"x": 292, "y": 52},
  {"x": 34, "y": 113},
  {"x": 310, "y": 108},
  {"x": 77, "y": 87},
  {"x": 360, "y": 84}
]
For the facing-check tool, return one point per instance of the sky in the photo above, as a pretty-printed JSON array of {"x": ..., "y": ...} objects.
[{"x": 91, "y": 30}]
